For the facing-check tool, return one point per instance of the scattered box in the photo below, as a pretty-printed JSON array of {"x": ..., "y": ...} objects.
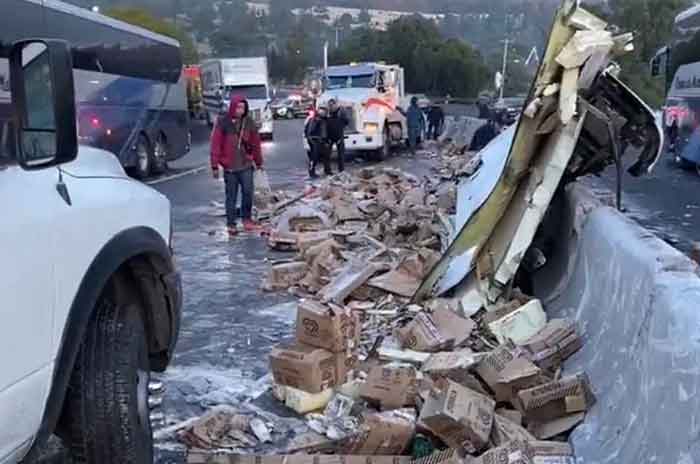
[
  {"x": 202, "y": 458},
  {"x": 514, "y": 452},
  {"x": 283, "y": 276},
  {"x": 506, "y": 373},
  {"x": 555, "y": 343},
  {"x": 384, "y": 433},
  {"x": 453, "y": 326},
  {"x": 303, "y": 402},
  {"x": 304, "y": 367},
  {"x": 511, "y": 414},
  {"x": 335, "y": 329},
  {"x": 520, "y": 325},
  {"x": 550, "y": 452},
  {"x": 421, "y": 334},
  {"x": 558, "y": 398},
  {"x": 505, "y": 430},
  {"x": 391, "y": 387},
  {"x": 550, "y": 429},
  {"x": 456, "y": 366},
  {"x": 459, "y": 416}
]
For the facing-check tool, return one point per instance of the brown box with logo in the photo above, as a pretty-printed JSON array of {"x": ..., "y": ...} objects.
[
  {"x": 384, "y": 433},
  {"x": 422, "y": 334},
  {"x": 304, "y": 367},
  {"x": 553, "y": 344},
  {"x": 460, "y": 417},
  {"x": 335, "y": 329},
  {"x": 558, "y": 398},
  {"x": 390, "y": 387}
]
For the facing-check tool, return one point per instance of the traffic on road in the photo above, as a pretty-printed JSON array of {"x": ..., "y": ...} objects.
[{"x": 203, "y": 265}]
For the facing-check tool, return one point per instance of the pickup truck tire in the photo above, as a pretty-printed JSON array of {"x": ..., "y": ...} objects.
[
  {"x": 160, "y": 155},
  {"x": 107, "y": 413}
]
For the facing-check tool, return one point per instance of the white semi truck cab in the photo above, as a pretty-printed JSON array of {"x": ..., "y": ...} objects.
[
  {"x": 248, "y": 77},
  {"x": 371, "y": 94}
]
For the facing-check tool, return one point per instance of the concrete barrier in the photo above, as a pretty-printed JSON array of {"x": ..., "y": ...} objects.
[{"x": 637, "y": 300}]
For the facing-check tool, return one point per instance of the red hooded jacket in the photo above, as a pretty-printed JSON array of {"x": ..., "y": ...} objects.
[{"x": 227, "y": 151}]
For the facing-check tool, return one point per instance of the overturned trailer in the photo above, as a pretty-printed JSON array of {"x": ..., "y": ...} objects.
[{"x": 523, "y": 222}]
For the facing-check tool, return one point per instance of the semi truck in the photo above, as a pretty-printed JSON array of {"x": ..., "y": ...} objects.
[
  {"x": 248, "y": 77},
  {"x": 371, "y": 94}
]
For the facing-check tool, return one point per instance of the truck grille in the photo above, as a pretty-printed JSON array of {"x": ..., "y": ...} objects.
[{"x": 352, "y": 125}]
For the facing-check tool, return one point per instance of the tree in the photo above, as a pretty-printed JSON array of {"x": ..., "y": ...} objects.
[{"x": 142, "y": 18}]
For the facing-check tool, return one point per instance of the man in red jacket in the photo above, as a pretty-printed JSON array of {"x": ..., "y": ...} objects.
[{"x": 235, "y": 148}]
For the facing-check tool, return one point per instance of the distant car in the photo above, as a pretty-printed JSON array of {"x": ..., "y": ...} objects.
[
  {"x": 507, "y": 110},
  {"x": 292, "y": 108}
]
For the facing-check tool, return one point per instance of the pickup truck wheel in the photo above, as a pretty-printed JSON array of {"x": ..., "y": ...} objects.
[
  {"x": 107, "y": 403},
  {"x": 144, "y": 158}
]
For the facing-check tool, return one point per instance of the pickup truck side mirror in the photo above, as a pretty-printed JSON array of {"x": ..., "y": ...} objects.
[{"x": 43, "y": 100}]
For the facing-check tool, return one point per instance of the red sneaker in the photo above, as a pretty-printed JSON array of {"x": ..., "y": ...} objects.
[{"x": 251, "y": 226}]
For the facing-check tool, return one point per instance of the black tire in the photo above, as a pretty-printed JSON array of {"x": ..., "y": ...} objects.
[
  {"x": 160, "y": 155},
  {"x": 384, "y": 152},
  {"x": 107, "y": 403},
  {"x": 144, "y": 158}
]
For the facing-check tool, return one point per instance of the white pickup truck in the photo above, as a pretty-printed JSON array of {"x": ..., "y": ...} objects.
[{"x": 90, "y": 297}]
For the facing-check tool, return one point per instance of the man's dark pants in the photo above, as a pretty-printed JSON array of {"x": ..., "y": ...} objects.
[
  {"x": 234, "y": 180},
  {"x": 340, "y": 147}
]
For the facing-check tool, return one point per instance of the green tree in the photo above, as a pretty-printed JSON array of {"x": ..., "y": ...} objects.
[{"x": 142, "y": 18}]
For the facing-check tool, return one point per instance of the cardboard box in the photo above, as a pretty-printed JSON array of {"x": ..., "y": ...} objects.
[
  {"x": 453, "y": 326},
  {"x": 506, "y": 373},
  {"x": 304, "y": 367},
  {"x": 456, "y": 366},
  {"x": 204, "y": 458},
  {"x": 558, "y": 398},
  {"x": 334, "y": 329},
  {"x": 514, "y": 452},
  {"x": 460, "y": 417},
  {"x": 550, "y": 452},
  {"x": 554, "y": 344},
  {"x": 550, "y": 429},
  {"x": 505, "y": 430},
  {"x": 391, "y": 387},
  {"x": 447, "y": 456},
  {"x": 421, "y": 334},
  {"x": 384, "y": 433},
  {"x": 520, "y": 325}
]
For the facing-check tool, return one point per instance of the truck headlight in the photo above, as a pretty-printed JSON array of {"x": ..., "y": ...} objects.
[{"x": 371, "y": 127}]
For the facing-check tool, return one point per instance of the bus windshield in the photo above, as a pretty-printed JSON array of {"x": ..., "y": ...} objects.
[
  {"x": 250, "y": 92},
  {"x": 347, "y": 82}
]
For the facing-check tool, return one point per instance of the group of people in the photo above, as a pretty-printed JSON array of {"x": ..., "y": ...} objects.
[
  {"x": 415, "y": 120},
  {"x": 236, "y": 148},
  {"x": 325, "y": 130}
]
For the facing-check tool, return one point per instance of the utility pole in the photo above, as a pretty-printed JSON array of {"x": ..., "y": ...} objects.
[
  {"x": 337, "y": 37},
  {"x": 505, "y": 64}
]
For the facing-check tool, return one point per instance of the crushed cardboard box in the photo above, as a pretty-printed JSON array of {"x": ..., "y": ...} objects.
[
  {"x": 460, "y": 417},
  {"x": 390, "y": 387},
  {"x": 384, "y": 433},
  {"x": 306, "y": 368},
  {"x": 555, "y": 343},
  {"x": 557, "y": 398},
  {"x": 421, "y": 334}
]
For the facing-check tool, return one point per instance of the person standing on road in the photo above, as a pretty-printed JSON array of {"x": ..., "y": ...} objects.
[
  {"x": 337, "y": 122},
  {"x": 436, "y": 119},
  {"x": 316, "y": 132},
  {"x": 236, "y": 148},
  {"x": 416, "y": 124}
]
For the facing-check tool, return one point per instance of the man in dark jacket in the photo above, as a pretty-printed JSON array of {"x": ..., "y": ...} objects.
[
  {"x": 484, "y": 135},
  {"x": 235, "y": 148},
  {"x": 416, "y": 124},
  {"x": 436, "y": 119},
  {"x": 316, "y": 132},
  {"x": 337, "y": 122}
]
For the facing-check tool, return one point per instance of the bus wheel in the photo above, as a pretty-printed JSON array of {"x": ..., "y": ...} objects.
[
  {"x": 144, "y": 158},
  {"x": 160, "y": 155}
]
